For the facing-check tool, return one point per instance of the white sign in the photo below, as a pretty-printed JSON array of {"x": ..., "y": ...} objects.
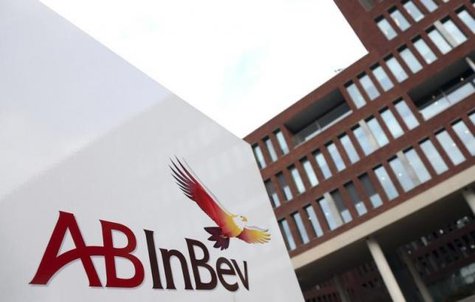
[{"x": 157, "y": 203}]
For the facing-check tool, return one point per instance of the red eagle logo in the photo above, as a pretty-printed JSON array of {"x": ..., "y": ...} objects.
[{"x": 228, "y": 225}]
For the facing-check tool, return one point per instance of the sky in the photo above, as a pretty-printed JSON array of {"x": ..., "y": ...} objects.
[{"x": 239, "y": 62}]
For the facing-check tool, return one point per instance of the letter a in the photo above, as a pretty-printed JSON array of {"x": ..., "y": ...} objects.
[{"x": 52, "y": 262}]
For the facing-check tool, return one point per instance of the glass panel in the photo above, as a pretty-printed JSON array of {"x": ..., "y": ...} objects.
[
  {"x": 300, "y": 227},
  {"x": 340, "y": 205},
  {"x": 402, "y": 174},
  {"x": 434, "y": 157},
  {"x": 430, "y": 5},
  {"x": 465, "y": 136},
  {"x": 332, "y": 220},
  {"x": 272, "y": 193},
  {"x": 282, "y": 143},
  {"x": 386, "y": 29},
  {"x": 450, "y": 147},
  {"x": 472, "y": 118},
  {"x": 355, "y": 95},
  {"x": 270, "y": 148},
  {"x": 322, "y": 163},
  {"x": 467, "y": 19},
  {"x": 369, "y": 87},
  {"x": 259, "y": 157},
  {"x": 363, "y": 140},
  {"x": 396, "y": 69},
  {"x": 349, "y": 148},
  {"x": 314, "y": 220},
  {"x": 297, "y": 180},
  {"x": 386, "y": 183},
  {"x": 454, "y": 31},
  {"x": 383, "y": 78},
  {"x": 424, "y": 50},
  {"x": 359, "y": 204},
  {"x": 289, "y": 239},
  {"x": 410, "y": 60},
  {"x": 284, "y": 187},
  {"x": 340, "y": 165},
  {"x": 377, "y": 131},
  {"x": 439, "y": 41},
  {"x": 400, "y": 20},
  {"x": 374, "y": 197},
  {"x": 406, "y": 114},
  {"x": 413, "y": 11},
  {"x": 417, "y": 165},
  {"x": 312, "y": 178},
  {"x": 391, "y": 123}
]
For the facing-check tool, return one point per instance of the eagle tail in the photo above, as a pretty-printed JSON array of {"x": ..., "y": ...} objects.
[{"x": 221, "y": 242}]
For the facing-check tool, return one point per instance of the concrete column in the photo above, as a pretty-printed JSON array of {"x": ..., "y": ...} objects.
[
  {"x": 385, "y": 271},
  {"x": 417, "y": 278},
  {"x": 344, "y": 297},
  {"x": 469, "y": 196}
]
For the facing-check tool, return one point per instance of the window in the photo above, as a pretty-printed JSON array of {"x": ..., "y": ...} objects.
[
  {"x": 383, "y": 78},
  {"x": 386, "y": 182},
  {"x": 454, "y": 32},
  {"x": 402, "y": 173},
  {"x": 284, "y": 187},
  {"x": 433, "y": 156},
  {"x": 259, "y": 157},
  {"x": 467, "y": 19},
  {"x": 312, "y": 178},
  {"x": 406, "y": 114},
  {"x": 282, "y": 143},
  {"x": 429, "y": 4},
  {"x": 359, "y": 204},
  {"x": 386, "y": 28},
  {"x": 370, "y": 191},
  {"x": 424, "y": 51},
  {"x": 289, "y": 239},
  {"x": 399, "y": 19},
  {"x": 450, "y": 147},
  {"x": 300, "y": 227},
  {"x": 465, "y": 136},
  {"x": 413, "y": 11},
  {"x": 349, "y": 148},
  {"x": 297, "y": 179},
  {"x": 331, "y": 213},
  {"x": 472, "y": 115},
  {"x": 417, "y": 165},
  {"x": 396, "y": 69},
  {"x": 272, "y": 193},
  {"x": 369, "y": 87},
  {"x": 270, "y": 148},
  {"x": 335, "y": 155},
  {"x": 439, "y": 40},
  {"x": 340, "y": 205},
  {"x": 367, "y": 4},
  {"x": 377, "y": 131},
  {"x": 322, "y": 163},
  {"x": 364, "y": 140},
  {"x": 391, "y": 123},
  {"x": 355, "y": 95},
  {"x": 410, "y": 60},
  {"x": 314, "y": 220}
]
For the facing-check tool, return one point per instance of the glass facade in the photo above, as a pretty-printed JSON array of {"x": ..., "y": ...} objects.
[
  {"x": 364, "y": 140},
  {"x": 377, "y": 131},
  {"x": 357, "y": 202},
  {"x": 391, "y": 123},
  {"x": 330, "y": 212},
  {"x": 403, "y": 174},
  {"x": 369, "y": 87},
  {"x": 335, "y": 155},
  {"x": 300, "y": 228},
  {"x": 406, "y": 114},
  {"x": 285, "y": 230},
  {"x": 396, "y": 69},
  {"x": 386, "y": 182},
  {"x": 297, "y": 179},
  {"x": 383, "y": 78},
  {"x": 312, "y": 178},
  {"x": 424, "y": 50},
  {"x": 417, "y": 165},
  {"x": 433, "y": 156},
  {"x": 270, "y": 149},
  {"x": 370, "y": 191},
  {"x": 399, "y": 19},
  {"x": 282, "y": 143},
  {"x": 355, "y": 95},
  {"x": 317, "y": 229},
  {"x": 349, "y": 149},
  {"x": 386, "y": 29},
  {"x": 410, "y": 60},
  {"x": 455, "y": 32},
  {"x": 467, "y": 19},
  {"x": 413, "y": 11},
  {"x": 430, "y": 5},
  {"x": 322, "y": 163},
  {"x": 273, "y": 196},
  {"x": 340, "y": 205},
  {"x": 466, "y": 137},
  {"x": 284, "y": 187},
  {"x": 439, "y": 41},
  {"x": 450, "y": 147},
  {"x": 259, "y": 156}
]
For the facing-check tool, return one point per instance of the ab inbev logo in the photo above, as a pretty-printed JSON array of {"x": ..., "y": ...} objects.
[{"x": 202, "y": 268}]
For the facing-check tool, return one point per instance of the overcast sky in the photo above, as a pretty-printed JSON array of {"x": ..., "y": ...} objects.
[{"x": 239, "y": 62}]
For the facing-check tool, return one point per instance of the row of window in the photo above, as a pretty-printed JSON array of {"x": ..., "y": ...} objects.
[
  {"x": 410, "y": 6},
  {"x": 368, "y": 135},
  {"x": 283, "y": 147},
  {"x": 410, "y": 168}
]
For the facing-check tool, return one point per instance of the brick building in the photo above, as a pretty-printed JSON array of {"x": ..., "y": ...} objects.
[{"x": 372, "y": 174}]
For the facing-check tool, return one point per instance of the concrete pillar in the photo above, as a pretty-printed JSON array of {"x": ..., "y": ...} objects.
[
  {"x": 344, "y": 297},
  {"x": 417, "y": 278},
  {"x": 385, "y": 271},
  {"x": 469, "y": 196}
]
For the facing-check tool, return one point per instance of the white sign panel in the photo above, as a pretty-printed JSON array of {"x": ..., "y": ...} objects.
[{"x": 157, "y": 203}]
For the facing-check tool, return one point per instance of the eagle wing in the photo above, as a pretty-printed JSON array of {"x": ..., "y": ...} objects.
[
  {"x": 195, "y": 191},
  {"x": 254, "y": 235}
]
